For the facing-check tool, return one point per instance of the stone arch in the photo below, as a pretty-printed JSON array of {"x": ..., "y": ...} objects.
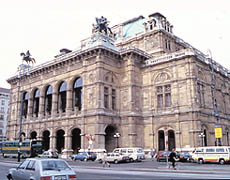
[
  {"x": 33, "y": 135},
  {"x": 204, "y": 130},
  {"x": 110, "y": 142},
  {"x": 162, "y": 76},
  {"x": 46, "y": 140},
  {"x": 76, "y": 139},
  {"x": 60, "y": 140},
  {"x": 48, "y": 96},
  {"x": 77, "y": 88},
  {"x": 62, "y": 96},
  {"x": 171, "y": 139},
  {"x": 201, "y": 75},
  {"x": 35, "y": 99}
]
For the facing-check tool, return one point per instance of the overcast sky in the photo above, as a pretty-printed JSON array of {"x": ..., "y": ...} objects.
[{"x": 46, "y": 26}]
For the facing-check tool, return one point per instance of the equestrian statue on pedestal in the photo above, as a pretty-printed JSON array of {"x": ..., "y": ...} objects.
[{"x": 102, "y": 26}]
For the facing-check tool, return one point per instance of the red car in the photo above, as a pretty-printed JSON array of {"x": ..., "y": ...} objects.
[{"x": 162, "y": 155}]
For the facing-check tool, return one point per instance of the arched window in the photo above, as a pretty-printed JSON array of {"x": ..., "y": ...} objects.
[
  {"x": 25, "y": 104},
  {"x": 48, "y": 100},
  {"x": 77, "y": 94},
  {"x": 62, "y": 97},
  {"x": 36, "y": 102}
]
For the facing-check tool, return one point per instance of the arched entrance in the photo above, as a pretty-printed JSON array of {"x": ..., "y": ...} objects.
[
  {"x": 171, "y": 142},
  {"x": 161, "y": 140},
  {"x": 60, "y": 141},
  {"x": 110, "y": 142},
  {"x": 46, "y": 140},
  {"x": 76, "y": 140},
  {"x": 33, "y": 135}
]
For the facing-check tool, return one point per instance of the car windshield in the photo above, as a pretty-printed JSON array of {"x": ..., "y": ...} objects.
[{"x": 54, "y": 165}]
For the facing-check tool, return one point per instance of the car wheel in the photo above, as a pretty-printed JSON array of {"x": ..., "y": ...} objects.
[
  {"x": 131, "y": 160},
  {"x": 85, "y": 159},
  {"x": 222, "y": 162},
  {"x": 201, "y": 161},
  {"x": 116, "y": 161},
  {"x": 9, "y": 177}
]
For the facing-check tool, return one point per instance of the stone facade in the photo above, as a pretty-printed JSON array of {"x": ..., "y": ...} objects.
[{"x": 144, "y": 83}]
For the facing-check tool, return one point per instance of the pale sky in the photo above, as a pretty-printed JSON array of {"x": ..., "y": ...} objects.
[{"x": 46, "y": 26}]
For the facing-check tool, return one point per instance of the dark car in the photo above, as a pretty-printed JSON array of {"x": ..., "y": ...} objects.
[
  {"x": 162, "y": 155},
  {"x": 46, "y": 169},
  {"x": 84, "y": 156},
  {"x": 184, "y": 156}
]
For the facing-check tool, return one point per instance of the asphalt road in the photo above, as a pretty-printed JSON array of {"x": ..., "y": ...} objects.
[{"x": 135, "y": 171}]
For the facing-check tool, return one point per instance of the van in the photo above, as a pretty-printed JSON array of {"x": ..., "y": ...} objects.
[
  {"x": 135, "y": 154},
  {"x": 219, "y": 154}
]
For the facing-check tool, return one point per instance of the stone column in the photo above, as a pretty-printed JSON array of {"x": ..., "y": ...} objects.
[
  {"x": 67, "y": 151},
  {"x": 69, "y": 102},
  {"x": 41, "y": 106},
  {"x": 30, "y": 108},
  {"x": 54, "y": 104},
  {"x": 53, "y": 140}
]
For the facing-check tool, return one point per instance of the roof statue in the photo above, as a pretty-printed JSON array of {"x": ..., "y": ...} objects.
[
  {"x": 27, "y": 57},
  {"x": 102, "y": 25}
]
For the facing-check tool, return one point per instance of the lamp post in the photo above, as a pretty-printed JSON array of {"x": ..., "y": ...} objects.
[
  {"x": 117, "y": 135},
  {"x": 202, "y": 136},
  {"x": 22, "y": 73},
  {"x": 218, "y": 130}
]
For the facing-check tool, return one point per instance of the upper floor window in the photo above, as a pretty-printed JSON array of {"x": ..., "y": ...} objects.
[
  {"x": 36, "y": 102},
  {"x": 62, "y": 97},
  {"x": 25, "y": 104},
  {"x": 3, "y": 102},
  {"x": 77, "y": 94},
  {"x": 164, "y": 96},
  {"x": 106, "y": 97},
  {"x": 113, "y": 99},
  {"x": 200, "y": 93},
  {"x": 48, "y": 99}
]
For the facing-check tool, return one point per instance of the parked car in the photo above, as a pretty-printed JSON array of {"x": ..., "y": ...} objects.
[
  {"x": 84, "y": 156},
  {"x": 46, "y": 169},
  {"x": 48, "y": 154},
  {"x": 115, "y": 158},
  {"x": 184, "y": 157},
  {"x": 162, "y": 155}
]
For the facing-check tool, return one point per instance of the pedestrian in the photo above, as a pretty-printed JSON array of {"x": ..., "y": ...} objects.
[
  {"x": 173, "y": 158},
  {"x": 152, "y": 153},
  {"x": 104, "y": 162}
]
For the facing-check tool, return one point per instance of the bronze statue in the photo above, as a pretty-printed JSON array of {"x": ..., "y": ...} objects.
[
  {"x": 102, "y": 25},
  {"x": 27, "y": 57}
]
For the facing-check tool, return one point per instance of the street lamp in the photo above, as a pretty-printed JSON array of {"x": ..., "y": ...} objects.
[
  {"x": 202, "y": 136},
  {"x": 117, "y": 135},
  {"x": 22, "y": 73}
]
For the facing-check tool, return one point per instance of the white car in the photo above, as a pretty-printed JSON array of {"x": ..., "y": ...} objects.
[
  {"x": 116, "y": 158},
  {"x": 42, "y": 169}
]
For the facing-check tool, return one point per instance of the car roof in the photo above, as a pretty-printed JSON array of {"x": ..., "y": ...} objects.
[{"x": 44, "y": 159}]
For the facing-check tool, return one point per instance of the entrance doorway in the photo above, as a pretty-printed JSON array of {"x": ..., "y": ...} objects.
[
  {"x": 60, "y": 142},
  {"x": 46, "y": 140},
  {"x": 110, "y": 143},
  {"x": 161, "y": 140},
  {"x": 76, "y": 140}
]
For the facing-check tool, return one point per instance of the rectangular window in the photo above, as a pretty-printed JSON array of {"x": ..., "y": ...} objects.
[
  {"x": 164, "y": 96},
  {"x": 106, "y": 97},
  {"x": 200, "y": 93},
  {"x": 113, "y": 99},
  {"x": 3, "y": 102}
]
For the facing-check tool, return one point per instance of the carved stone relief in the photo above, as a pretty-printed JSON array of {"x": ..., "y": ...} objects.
[{"x": 124, "y": 97}]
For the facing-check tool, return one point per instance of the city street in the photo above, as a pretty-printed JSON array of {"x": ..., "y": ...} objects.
[{"x": 141, "y": 170}]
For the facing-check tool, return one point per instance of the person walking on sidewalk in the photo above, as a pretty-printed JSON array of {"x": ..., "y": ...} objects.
[
  {"x": 172, "y": 158},
  {"x": 104, "y": 162}
]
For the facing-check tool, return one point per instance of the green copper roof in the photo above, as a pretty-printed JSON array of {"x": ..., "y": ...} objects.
[{"x": 133, "y": 26}]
